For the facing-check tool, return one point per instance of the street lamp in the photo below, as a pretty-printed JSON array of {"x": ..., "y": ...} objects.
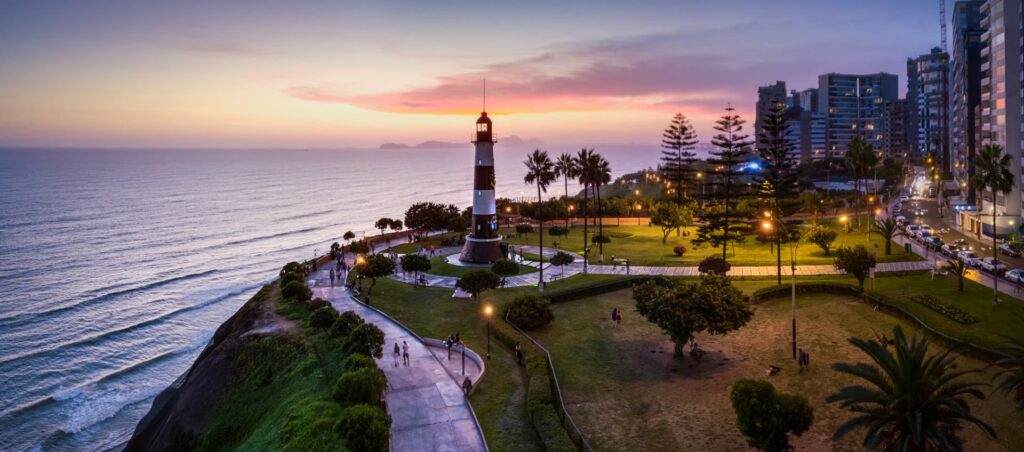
[
  {"x": 700, "y": 177},
  {"x": 488, "y": 310},
  {"x": 846, "y": 222}
]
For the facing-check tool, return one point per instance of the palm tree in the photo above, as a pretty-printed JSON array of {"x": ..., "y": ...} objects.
[
  {"x": 960, "y": 269},
  {"x": 1011, "y": 378},
  {"x": 584, "y": 159},
  {"x": 601, "y": 174},
  {"x": 540, "y": 170},
  {"x": 566, "y": 167},
  {"x": 860, "y": 157},
  {"x": 888, "y": 229},
  {"x": 913, "y": 401},
  {"x": 992, "y": 172}
]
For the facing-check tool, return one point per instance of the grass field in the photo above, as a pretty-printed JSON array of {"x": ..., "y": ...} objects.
[
  {"x": 643, "y": 246},
  {"x": 500, "y": 401},
  {"x": 627, "y": 392}
]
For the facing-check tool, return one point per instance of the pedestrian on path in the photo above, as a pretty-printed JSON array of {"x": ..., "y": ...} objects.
[
  {"x": 618, "y": 318},
  {"x": 519, "y": 353},
  {"x": 405, "y": 353},
  {"x": 332, "y": 277},
  {"x": 615, "y": 313},
  {"x": 397, "y": 353}
]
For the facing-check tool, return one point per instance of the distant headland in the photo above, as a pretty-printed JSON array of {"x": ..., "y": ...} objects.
[{"x": 510, "y": 141}]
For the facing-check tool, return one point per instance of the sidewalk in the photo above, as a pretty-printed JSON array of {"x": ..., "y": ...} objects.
[{"x": 427, "y": 407}]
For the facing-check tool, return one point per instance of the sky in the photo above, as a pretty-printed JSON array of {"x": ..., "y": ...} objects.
[{"x": 337, "y": 74}]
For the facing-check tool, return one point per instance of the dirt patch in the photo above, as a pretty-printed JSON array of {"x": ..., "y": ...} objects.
[{"x": 628, "y": 392}]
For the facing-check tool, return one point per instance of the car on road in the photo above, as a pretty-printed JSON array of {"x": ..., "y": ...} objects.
[
  {"x": 991, "y": 265},
  {"x": 1014, "y": 275},
  {"x": 901, "y": 219},
  {"x": 950, "y": 249},
  {"x": 968, "y": 257},
  {"x": 904, "y": 198},
  {"x": 1008, "y": 250},
  {"x": 926, "y": 228},
  {"x": 924, "y": 237}
]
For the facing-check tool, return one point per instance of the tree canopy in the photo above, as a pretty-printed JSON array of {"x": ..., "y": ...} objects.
[
  {"x": 477, "y": 282},
  {"x": 712, "y": 305},
  {"x": 767, "y": 417},
  {"x": 856, "y": 261},
  {"x": 670, "y": 216},
  {"x": 431, "y": 216}
]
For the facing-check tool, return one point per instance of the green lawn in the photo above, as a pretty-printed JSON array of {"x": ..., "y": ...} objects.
[
  {"x": 438, "y": 266},
  {"x": 500, "y": 401},
  {"x": 435, "y": 240},
  {"x": 626, "y": 391},
  {"x": 643, "y": 246}
]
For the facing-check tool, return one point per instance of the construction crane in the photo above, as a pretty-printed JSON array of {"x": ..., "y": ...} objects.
[{"x": 942, "y": 23}]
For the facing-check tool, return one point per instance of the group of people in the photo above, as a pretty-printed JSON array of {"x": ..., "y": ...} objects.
[
  {"x": 402, "y": 353},
  {"x": 451, "y": 341},
  {"x": 616, "y": 316}
]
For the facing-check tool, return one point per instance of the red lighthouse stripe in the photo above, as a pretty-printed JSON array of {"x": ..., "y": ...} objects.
[{"x": 483, "y": 178}]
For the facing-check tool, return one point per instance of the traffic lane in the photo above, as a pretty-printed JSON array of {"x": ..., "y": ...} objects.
[{"x": 950, "y": 232}]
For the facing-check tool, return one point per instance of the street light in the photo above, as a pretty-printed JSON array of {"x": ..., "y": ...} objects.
[
  {"x": 488, "y": 310},
  {"x": 846, "y": 222}
]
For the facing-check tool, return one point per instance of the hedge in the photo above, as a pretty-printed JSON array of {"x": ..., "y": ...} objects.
[
  {"x": 601, "y": 288},
  {"x": 543, "y": 415}
]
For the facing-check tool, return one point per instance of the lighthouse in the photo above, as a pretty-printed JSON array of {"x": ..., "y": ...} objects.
[{"x": 483, "y": 245}]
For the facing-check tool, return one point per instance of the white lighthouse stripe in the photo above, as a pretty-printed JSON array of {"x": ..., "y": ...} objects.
[
  {"x": 484, "y": 154},
  {"x": 483, "y": 202}
]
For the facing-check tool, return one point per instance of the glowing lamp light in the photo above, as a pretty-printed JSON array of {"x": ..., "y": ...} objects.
[
  {"x": 488, "y": 310},
  {"x": 843, "y": 219},
  {"x": 360, "y": 260},
  {"x": 766, "y": 226},
  {"x": 878, "y": 212}
]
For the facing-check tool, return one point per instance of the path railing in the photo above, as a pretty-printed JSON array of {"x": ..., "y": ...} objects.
[{"x": 571, "y": 428}]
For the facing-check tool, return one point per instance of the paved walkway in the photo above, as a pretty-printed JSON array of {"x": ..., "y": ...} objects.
[
  {"x": 428, "y": 410},
  {"x": 556, "y": 273}
]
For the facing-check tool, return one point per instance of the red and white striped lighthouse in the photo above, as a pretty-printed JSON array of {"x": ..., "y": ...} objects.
[{"x": 483, "y": 244}]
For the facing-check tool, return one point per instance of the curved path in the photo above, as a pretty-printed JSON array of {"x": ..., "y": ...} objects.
[{"x": 427, "y": 407}]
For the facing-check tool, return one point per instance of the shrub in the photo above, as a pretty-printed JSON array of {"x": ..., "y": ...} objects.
[
  {"x": 530, "y": 312},
  {"x": 714, "y": 264},
  {"x": 318, "y": 303},
  {"x": 366, "y": 339},
  {"x": 505, "y": 267},
  {"x": 323, "y": 317},
  {"x": 767, "y": 417},
  {"x": 478, "y": 281},
  {"x": 345, "y": 323},
  {"x": 600, "y": 239},
  {"x": 524, "y": 228},
  {"x": 951, "y": 312},
  {"x": 364, "y": 428},
  {"x": 358, "y": 386},
  {"x": 557, "y": 231},
  {"x": 296, "y": 291},
  {"x": 291, "y": 267},
  {"x": 856, "y": 261},
  {"x": 290, "y": 277},
  {"x": 358, "y": 361},
  {"x": 360, "y": 247},
  {"x": 679, "y": 250}
]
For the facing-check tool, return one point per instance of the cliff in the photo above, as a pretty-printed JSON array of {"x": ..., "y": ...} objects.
[{"x": 182, "y": 413}]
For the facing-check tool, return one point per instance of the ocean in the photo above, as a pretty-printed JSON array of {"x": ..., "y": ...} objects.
[{"x": 116, "y": 266}]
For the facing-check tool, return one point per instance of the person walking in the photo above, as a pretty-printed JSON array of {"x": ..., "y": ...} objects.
[
  {"x": 618, "y": 318},
  {"x": 615, "y": 313},
  {"x": 405, "y": 353},
  {"x": 397, "y": 353},
  {"x": 332, "y": 277},
  {"x": 519, "y": 353}
]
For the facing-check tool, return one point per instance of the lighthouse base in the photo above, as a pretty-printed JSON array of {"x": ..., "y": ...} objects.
[{"x": 481, "y": 251}]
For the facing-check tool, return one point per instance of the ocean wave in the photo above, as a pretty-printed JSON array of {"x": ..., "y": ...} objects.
[
  {"x": 20, "y": 317},
  {"x": 128, "y": 328},
  {"x": 266, "y": 237}
]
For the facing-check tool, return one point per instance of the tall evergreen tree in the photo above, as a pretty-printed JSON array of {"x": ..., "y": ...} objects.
[
  {"x": 677, "y": 158},
  {"x": 723, "y": 222},
  {"x": 778, "y": 178}
]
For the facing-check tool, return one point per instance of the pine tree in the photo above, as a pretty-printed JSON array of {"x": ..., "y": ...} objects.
[
  {"x": 677, "y": 157},
  {"x": 778, "y": 179},
  {"x": 723, "y": 222}
]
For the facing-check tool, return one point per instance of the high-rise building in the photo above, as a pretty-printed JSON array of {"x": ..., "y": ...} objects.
[
  {"x": 853, "y": 105},
  {"x": 894, "y": 129},
  {"x": 928, "y": 104},
  {"x": 805, "y": 134},
  {"x": 1000, "y": 109},
  {"x": 806, "y": 99},
  {"x": 769, "y": 98},
  {"x": 965, "y": 94}
]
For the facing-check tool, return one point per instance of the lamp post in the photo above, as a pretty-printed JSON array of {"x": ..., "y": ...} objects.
[
  {"x": 637, "y": 194},
  {"x": 793, "y": 242},
  {"x": 846, "y": 222},
  {"x": 488, "y": 310},
  {"x": 359, "y": 276},
  {"x": 700, "y": 203}
]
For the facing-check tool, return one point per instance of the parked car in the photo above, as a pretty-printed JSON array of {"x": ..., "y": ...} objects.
[
  {"x": 950, "y": 249},
  {"x": 968, "y": 257},
  {"x": 924, "y": 237},
  {"x": 1014, "y": 275},
  {"x": 926, "y": 228},
  {"x": 1009, "y": 250},
  {"x": 913, "y": 230},
  {"x": 901, "y": 219},
  {"x": 935, "y": 243},
  {"x": 991, "y": 265}
]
